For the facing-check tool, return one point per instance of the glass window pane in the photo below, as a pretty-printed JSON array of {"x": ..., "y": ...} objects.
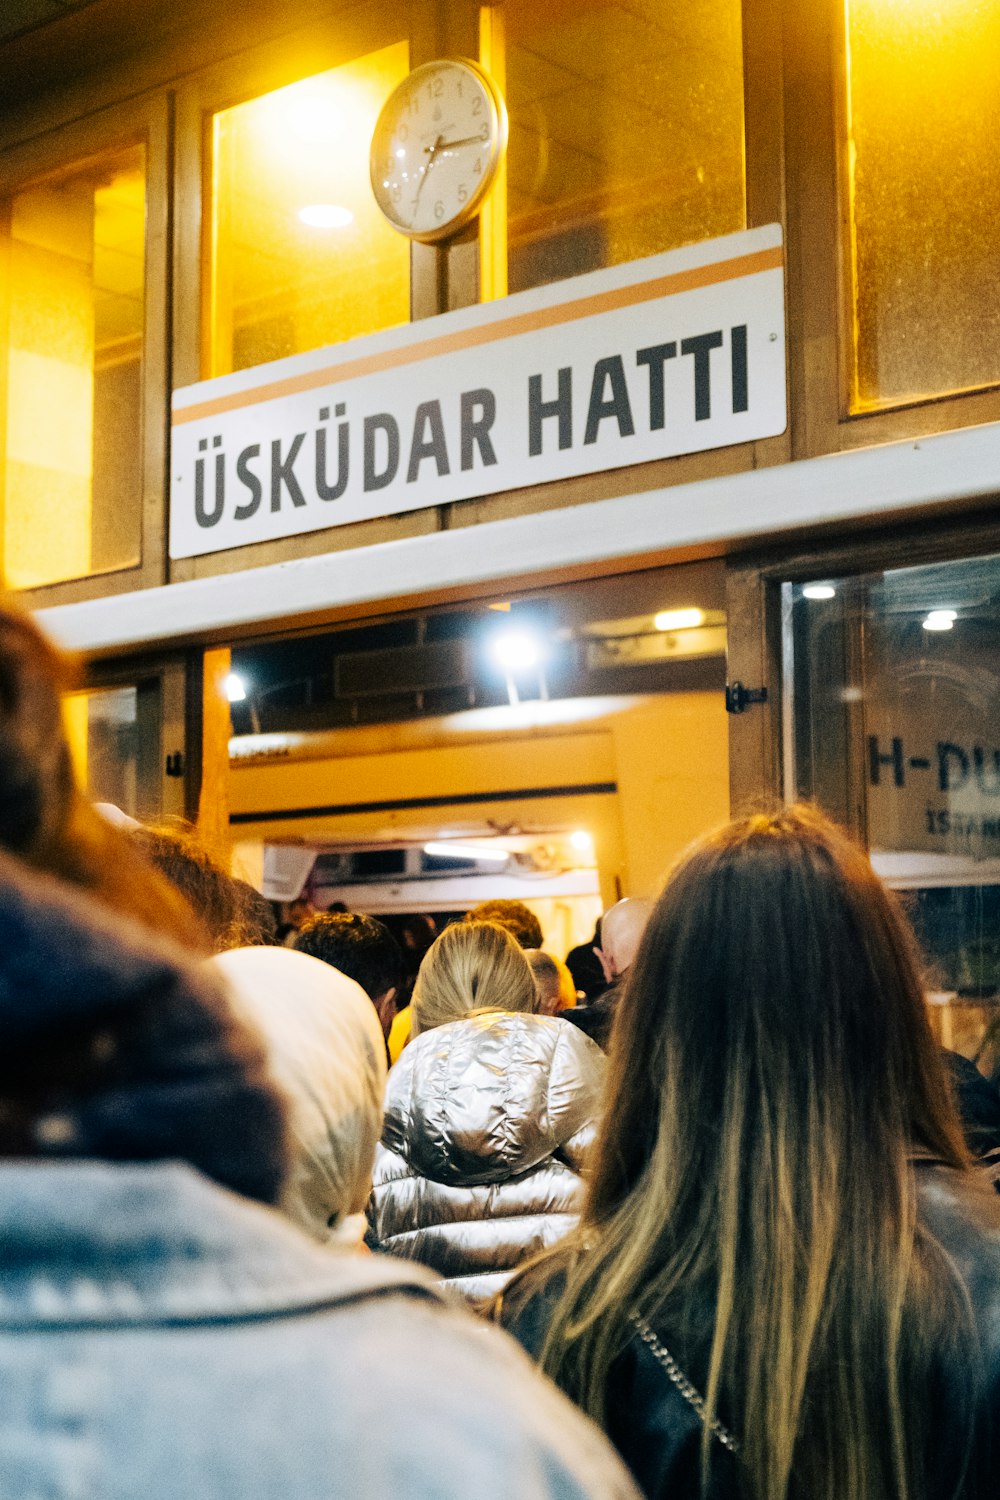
[
  {"x": 71, "y": 326},
  {"x": 895, "y": 709},
  {"x": 115, "y": 738},
  {"x": 283, "y": 283},
  {"x": 924, "y": 116},
  {"x": 626, "y": 131}
]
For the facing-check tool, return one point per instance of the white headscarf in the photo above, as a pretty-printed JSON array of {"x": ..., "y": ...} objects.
[{"x": 327, "y": 1053}]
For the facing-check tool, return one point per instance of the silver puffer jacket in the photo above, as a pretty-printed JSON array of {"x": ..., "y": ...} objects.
[{"x": 487, "y": 1123}]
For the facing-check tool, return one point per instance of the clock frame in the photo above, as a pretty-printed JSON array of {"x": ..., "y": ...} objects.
[{"x": 437, "y": 147}]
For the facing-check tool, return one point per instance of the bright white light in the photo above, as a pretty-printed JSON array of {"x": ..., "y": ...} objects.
[
  {"x": 581, "y": 840},
  {"x": 535, "y": 714},
  {"x": 516, "y": 651},
  {"x": 679, "y": 619},
  {"x": 467, "y": 851},
  {"x": 234, "y": 688},
  {"x": 316, "y": 119},
  {"x": 818, "y": 591},
  {"x": 400, "y": 153},
  {"x": 326, "y": 216},
  {"x": 940, "y": 619}
]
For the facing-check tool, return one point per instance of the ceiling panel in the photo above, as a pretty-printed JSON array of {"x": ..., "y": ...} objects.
[{"x": 23, "y": 15}]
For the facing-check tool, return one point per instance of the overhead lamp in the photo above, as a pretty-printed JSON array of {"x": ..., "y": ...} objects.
[
  {"x": 679, "y": 619},
  {"x": 818, "y": 591},
  {"x": 940, "y": 619},
  {"x": 449, "y": 850},
  {"x": 516, "y": 650},
  {"x": 234, "y": 687},
  {"x": 317, "y": 119},
  {"x": 326, "y": 216}
]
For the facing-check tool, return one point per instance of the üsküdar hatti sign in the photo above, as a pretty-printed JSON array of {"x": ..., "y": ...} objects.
[{"x": 675, "y": 354}]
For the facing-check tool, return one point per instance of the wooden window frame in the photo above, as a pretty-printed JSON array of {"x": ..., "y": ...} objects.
[
  {"x": 274, "y": 64},
  {"x": 819, "y": 250},
  {"x": 442, "y": 277},
  {"x": 145, "y": 122}
]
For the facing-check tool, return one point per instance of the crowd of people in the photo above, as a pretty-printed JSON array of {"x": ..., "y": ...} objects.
[{"x": 263, "y": 1204}]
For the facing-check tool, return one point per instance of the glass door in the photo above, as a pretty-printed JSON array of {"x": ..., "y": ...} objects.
[
  {"x": 892, "y": 722},
  {"x": 127, "y": 730}
]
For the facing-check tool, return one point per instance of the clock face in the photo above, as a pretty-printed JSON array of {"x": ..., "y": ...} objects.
[{"x": 436, "y": 148}]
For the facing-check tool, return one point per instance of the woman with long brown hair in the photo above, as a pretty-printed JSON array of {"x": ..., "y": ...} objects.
[{"x": 786, "y": 1278}]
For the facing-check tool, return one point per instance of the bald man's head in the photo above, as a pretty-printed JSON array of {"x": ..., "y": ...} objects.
[{"x": 621, "y": 933}]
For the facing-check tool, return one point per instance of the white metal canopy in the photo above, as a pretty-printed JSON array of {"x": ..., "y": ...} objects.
[{"x": 709, "y": 516}]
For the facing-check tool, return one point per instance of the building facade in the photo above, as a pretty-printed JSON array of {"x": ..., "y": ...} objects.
[{"x": 185, "y": 196}]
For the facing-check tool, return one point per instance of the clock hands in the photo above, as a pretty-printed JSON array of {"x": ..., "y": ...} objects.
[
  {"x": 466, "y": 140},
  {"x": 433, "y": 150}
]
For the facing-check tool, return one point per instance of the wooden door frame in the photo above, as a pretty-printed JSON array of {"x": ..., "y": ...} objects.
[{"x": 177, "y": 680}]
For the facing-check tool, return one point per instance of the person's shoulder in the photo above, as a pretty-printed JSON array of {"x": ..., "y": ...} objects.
[
  {"x": 962, "y": 1212},
  {"x": 476, "y": 1418},
  {"x": 978, "y": 1101},
  {"x": 528, "y": 1302}
]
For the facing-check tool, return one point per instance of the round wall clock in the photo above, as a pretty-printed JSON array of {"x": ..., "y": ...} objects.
[{"x": 436, "y": 148}]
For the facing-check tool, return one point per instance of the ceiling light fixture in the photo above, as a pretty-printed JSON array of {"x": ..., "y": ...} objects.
[
  {"x": 818, "y": 591},
  {"x": 516, "y": 650},
  {"x": 316, "y": 120},
  {"x": 326, "y": 216},
  {"x": 442, "y": 850},
  {"x": 940, "y": 619},
  {"x": 679, "y": 619}
]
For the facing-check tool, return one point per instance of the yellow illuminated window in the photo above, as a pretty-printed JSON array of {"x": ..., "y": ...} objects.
[
  {"x": 71, "y": 325},
  {"x": 301, "y": 256},
  {"x": 923, "y": 111},
  {"x": 626, "y": 130}
]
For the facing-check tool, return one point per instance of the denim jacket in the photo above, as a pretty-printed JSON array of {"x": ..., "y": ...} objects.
[{"x": 161, "y": 1337}]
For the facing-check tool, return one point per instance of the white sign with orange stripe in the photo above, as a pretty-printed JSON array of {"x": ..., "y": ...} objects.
[{"x": 674, "y": 354}]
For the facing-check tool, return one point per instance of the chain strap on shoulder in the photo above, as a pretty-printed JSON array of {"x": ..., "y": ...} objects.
[{"x": 679, "y": 1380}]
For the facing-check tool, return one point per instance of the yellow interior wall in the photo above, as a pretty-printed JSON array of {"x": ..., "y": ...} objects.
[
  {"x": 50, "y": 400},
  {"x": 493, "y": 214},
  {"x": 566, "y": 921},
  {"x": 213, "y": 802},
  {"x": 427, "y": 772},
  {"x": 672, "y": 762},
  {"x": 280, "y": 286},
  {"x": 668, "y": 755},
  {"x": 76, "y": 721}
]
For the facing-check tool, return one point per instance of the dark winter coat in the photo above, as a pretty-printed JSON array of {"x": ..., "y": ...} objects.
[{"x": 657, "y": 1429}]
